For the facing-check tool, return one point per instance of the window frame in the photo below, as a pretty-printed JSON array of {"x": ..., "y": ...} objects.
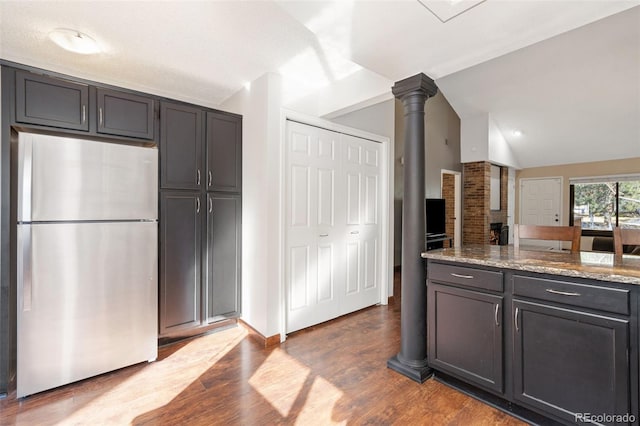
[{"x": 616, "y": 180}]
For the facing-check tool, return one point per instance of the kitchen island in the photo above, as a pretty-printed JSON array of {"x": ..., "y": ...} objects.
[{"x": 552, "y": 332}]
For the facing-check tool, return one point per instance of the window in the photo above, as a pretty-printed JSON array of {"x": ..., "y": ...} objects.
[{"x": 597, "y": 205}]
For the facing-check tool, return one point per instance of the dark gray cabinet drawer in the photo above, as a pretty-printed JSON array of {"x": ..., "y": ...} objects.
[
  {"x": 125, "y": 114},
  {"x": 468, "y": 277},
  {"x": 51, "y": 102},
  {"x": 585, "y": 296}
]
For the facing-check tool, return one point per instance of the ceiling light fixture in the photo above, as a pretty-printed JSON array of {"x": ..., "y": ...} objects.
[
  {"x": 74, "y": 41},
  {"x": 516, "y": 133}
]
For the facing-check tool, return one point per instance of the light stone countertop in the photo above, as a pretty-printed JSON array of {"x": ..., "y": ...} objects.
[{"x": 592, "y": 265}]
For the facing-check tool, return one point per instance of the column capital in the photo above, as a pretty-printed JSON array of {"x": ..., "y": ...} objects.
[{"x": 417, "y": 84}]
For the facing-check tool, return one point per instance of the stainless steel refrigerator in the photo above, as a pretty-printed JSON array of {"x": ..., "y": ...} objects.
[{"x": 86, "y": 259}]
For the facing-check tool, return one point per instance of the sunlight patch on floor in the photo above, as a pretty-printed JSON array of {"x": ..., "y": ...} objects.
[
  {"x": 281, "y": 381},
  {"x": 319, "y": 405},
  {"x": 280, "y": 385}
]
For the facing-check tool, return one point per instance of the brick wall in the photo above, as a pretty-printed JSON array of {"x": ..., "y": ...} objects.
[
  {"x": 477, "y": 215},
  {"x": 449, "y": 195}
]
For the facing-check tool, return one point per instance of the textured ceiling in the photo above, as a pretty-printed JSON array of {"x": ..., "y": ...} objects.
[{"x": 205, "y": 51}]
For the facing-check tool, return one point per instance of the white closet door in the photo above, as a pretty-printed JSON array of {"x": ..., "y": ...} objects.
[
  {"x": 313, "y": 247},
  {"x": 361, "y": 177},
  {"x": 333, "y": 225}
]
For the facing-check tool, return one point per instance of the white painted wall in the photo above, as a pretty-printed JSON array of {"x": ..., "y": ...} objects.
[
  {"x": 482, "y": 140},
  {"x": 474, "y": 134},
  {"x": 260, "y": 107},
  {"x": 499, "y": 149},
  {"x": 352, "y": 90}
]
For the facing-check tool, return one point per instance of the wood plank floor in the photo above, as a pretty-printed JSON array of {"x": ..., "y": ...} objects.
[{"x": 334, "y": 373}]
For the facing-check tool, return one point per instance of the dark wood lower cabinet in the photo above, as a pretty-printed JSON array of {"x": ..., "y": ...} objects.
[
  {"x": 180, "y": 261},
  {"x": 565, "y": 348},
  {"x": 570, "y": 363},
  {"x": 465, "y": 335},
  {"x": 200, "y": 260},
  {"x": 224, "y": 230}
]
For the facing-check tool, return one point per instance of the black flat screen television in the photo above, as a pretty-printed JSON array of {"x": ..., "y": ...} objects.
[{"x": 435, "y": 216}]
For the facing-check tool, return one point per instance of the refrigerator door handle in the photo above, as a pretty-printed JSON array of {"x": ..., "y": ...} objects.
[
  {"x": 25, "y": 175},
  {"x": 24, "y": 266}
]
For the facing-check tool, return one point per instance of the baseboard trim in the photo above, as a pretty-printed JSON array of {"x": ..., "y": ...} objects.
[
  {"x": 265, "y": 342},
  {"x": 391, "y": 300}
]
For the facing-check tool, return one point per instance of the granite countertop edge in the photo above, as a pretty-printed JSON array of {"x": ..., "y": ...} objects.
[{"x": 595, "y": 266}]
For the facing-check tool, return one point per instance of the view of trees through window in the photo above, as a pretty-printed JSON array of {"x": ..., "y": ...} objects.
[{"x": 601, "y": 206}]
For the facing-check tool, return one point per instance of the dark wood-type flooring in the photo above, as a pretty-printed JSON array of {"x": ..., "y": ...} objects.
[{"x": 333, "y": 373}]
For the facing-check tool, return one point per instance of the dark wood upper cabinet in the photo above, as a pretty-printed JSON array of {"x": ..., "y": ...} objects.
[
  {"x": 125, "y": 114},
  {"x": 181, "y": 144},
  {"x": 51, "y": 101},
  {"x": 224, "y": 152}
]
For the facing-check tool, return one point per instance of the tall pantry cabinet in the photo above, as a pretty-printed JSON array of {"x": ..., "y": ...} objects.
[{"x": 200, "y": 217}]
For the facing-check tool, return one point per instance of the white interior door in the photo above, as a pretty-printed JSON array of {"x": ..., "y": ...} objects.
[
  {"x": 332, "y": 223},
  {"x": 361, "y": 176},
  {"x": 540, "y": 201}
]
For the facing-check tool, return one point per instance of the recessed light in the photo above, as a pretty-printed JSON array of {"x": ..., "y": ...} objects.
[
  {"x": 74, "y": 41},
  {"x": 516, "y": 133}
]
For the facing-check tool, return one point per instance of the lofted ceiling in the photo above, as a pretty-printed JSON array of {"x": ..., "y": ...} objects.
[{"x": 565, "y": 73}]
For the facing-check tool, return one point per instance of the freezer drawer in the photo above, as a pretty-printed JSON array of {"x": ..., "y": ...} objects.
[
  {"x": 87, "y": 300},
  {"x": 65, "y": 179}
]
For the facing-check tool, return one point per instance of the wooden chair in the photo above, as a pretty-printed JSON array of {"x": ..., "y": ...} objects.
[
  {"x": 624, "y": 236},
  {"x": 551, "y": 233}
]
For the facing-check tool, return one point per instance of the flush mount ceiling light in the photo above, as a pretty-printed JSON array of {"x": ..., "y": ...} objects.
[
  {"x": 446, "y": 10},
  {"x": 516, "y": 133},
  {"x": 74, "y": 41}
]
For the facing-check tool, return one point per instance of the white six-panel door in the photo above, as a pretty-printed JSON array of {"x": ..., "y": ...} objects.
[
  {"x": 332, "y": 225},
  {"x": 540, "y": 201}
]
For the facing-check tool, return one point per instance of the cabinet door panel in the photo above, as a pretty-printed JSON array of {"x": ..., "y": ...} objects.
[
  {"x": 180, "y": 254},
  {"x": 465, "y": 334},
  {"x": 568, "y": 362},
  {"x": 223, "y": 252},
  {"x": 181, "y": 146},
  {"x": 224, "y": 152},
  {"x": 125, "y": 114},
  {"x": 51, "y": 102}
]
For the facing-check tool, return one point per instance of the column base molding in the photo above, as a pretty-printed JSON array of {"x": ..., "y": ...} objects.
[{"x": 417, "y": 374}]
